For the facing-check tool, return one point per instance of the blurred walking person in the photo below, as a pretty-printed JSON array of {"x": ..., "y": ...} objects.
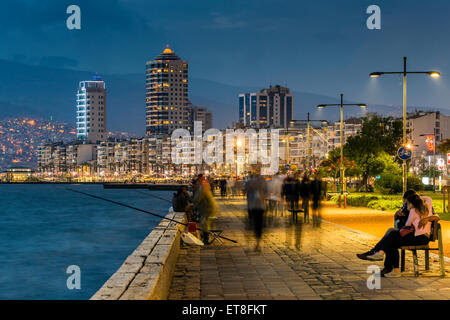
[
  {"x": 256, "y": 190},
  {"x": 316, "y": 191},
  {"x": 291, "y": 193},
  {"x": 206, "y": 206},
  {"x": 304, "y": 194},
  {"x": 223, "y": 188},
  {"x": 274, "y": 191},
  {"x": 230, "y": 187}
]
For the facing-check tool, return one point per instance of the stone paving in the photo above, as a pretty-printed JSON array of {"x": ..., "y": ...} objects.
[{"x": 296, "y": 262}]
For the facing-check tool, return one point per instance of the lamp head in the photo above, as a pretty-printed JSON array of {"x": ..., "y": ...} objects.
[
  {"x": 375, "y": 74},
  {"x": 320, "y": 106},
  {"x": 363, "y": 105},
  {"x": 434, "y": 74}
]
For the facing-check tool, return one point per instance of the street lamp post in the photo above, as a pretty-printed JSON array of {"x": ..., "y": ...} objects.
[
  {"x": 308, "y": 136},
  {"x": 433, "y": 74},
  {"x": 341, "y": 164}
]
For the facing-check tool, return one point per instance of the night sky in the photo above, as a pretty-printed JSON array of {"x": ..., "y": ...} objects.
[{"x": 315, "y": 46}]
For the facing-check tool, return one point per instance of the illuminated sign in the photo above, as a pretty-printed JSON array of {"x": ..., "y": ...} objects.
[
  {"x": 448, "y": 158},
  {"x": 430, "y": 142},
  {"x": 440, "y": 164}
]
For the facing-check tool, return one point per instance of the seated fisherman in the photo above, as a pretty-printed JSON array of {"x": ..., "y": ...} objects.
[{"x": 181, "y": 202}]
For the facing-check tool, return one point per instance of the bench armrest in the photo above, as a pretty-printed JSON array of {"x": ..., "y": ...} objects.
[{"x": 424, "y": 221}]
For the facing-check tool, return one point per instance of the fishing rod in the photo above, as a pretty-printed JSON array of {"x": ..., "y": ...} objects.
[
  {"x": 152, "y": 195},
  {"x": 142, "y": 210}
]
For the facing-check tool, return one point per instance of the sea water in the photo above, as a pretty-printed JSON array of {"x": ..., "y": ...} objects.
[{"x": 44, "y": 229}]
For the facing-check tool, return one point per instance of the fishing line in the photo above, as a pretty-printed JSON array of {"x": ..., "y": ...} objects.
[{"x": 142, "y": 210}]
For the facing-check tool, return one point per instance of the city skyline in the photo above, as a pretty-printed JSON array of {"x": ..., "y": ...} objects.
[{"x": 322, "y": 48}]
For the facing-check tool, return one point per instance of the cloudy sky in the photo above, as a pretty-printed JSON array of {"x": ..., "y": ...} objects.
[{"x": 317, "y": 46}]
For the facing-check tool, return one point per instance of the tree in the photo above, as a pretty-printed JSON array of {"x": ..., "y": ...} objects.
[
  {"x": 444, "y": 146},
  {"x": 330, "y": 167},
  {"x": 368, "y": 149}
]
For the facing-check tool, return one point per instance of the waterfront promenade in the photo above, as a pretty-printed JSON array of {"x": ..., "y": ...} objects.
[{"x": 296, "y": 262}]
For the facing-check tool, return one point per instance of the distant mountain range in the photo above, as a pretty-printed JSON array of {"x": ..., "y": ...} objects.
[{"x": 38, "y": 91}]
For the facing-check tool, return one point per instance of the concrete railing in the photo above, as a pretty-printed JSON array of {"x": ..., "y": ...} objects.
[{"x": 147, "y": 273}]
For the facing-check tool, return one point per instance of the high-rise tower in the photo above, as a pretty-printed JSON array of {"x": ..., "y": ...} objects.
[
  {"x": 91, "y": 110},
  {"x": 272, "y": 107},
  {"x": 167, "y": 94}
]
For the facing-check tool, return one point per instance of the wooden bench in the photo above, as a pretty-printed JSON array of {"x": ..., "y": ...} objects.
[{"x": 436, "y": 234}]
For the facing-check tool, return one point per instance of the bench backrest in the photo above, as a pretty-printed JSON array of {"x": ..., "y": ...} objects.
[{"x": 435, "y": 226}]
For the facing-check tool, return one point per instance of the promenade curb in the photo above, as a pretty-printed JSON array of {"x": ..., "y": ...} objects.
[{"x": 146, "y": 274}]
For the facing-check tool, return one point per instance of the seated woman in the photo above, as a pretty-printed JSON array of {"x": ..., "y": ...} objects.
[
  {"x": 400, "y": 218},
  {"x": 419, "y": 211}
]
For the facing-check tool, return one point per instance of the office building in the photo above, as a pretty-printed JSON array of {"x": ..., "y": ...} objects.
[
  {"x": 267, "y": 108},
  {"x": 201, "y": 114},
  {"x": 91, "y": 110},
  {"x": 422, "y": 127}
]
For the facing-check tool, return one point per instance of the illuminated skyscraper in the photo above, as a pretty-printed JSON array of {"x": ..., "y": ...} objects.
[
  {"x": 91, "y": 110},
  {"x": 167, "y": 94},
  {"x": 272, "y": 107}
]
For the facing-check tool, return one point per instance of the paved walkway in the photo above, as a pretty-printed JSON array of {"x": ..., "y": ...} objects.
[
  {"x": 357, "y": 218},
  {"x": 296, "y": 262}
]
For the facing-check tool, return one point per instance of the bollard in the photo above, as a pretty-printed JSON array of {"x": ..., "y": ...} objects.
[
  {"x": 443, "y": 200},
  {"x": 339, "y": 200},
  {"x": 446, "y": 189},
  {"x": 345, "y": 201}
]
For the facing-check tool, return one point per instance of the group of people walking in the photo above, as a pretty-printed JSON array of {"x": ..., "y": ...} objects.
[
  {"x": 263, "y": 195},
  {"x": 412, "y": 227},
  {"x": 228, "y": 187}
]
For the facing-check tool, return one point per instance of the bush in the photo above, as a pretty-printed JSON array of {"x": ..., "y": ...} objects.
[
  {"x": 415, "y": 183},
  {"x": 388, "y": 183},
  {"x": 356, "y": 200},
  {"x": 360, "y": 200},
  {"x": 385, "y": 204}
]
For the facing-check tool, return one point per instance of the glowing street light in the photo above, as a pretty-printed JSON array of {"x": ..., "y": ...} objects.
[
  {"x": 341, "y": 164},
  {"x": 431, "y": 73}
]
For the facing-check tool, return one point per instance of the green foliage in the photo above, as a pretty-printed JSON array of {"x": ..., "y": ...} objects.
[
  {"x": 371, "y": 201},
  {"x": 389, "y": 164},
  {"x": 444, "y": 146},
  {"x": 330, "y": 167},
  {"x": 388, "y": 183},
  {"x": 379, "y": 137},
  {"x": 385, "y": 204},
  {"x": 415, "y": 183},
  {"x": 356, "y": 200}
]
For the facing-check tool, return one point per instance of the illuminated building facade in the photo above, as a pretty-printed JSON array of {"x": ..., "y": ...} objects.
[
  {"x": 272, "y": 107},
  {"x": 91, "y": 110},
  {"x": 423, "y": 128},
  {"x": 167, "y": 94}
]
